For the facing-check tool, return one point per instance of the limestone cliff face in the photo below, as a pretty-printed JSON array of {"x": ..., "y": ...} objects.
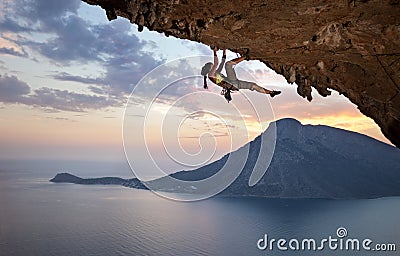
[{"x": 351, "y": 46}]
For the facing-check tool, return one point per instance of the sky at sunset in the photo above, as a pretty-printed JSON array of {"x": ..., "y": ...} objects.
[{"x": 66, "y": 74}]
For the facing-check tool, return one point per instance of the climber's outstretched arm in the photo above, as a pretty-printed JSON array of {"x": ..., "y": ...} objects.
[
  {"x": 215, "y": 65},
  {"x": 221, "y": 65}
]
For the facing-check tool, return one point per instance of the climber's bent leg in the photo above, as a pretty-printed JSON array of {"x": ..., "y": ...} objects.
[
  {"x": 230, "y": 72},
  {"x": 237, "y": 60}
]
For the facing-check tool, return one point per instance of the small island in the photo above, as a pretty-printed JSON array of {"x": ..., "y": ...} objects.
[{"x": 70, "y": 178}]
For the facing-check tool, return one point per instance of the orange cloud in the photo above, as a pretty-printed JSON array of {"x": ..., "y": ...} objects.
[{"x": 6, "y": 43}]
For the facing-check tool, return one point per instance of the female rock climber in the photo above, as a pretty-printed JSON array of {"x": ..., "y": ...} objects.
[{"x": 230, "y": 81}]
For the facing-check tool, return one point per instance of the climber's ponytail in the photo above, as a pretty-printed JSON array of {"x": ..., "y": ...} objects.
[{"x": 205, "y": 82}]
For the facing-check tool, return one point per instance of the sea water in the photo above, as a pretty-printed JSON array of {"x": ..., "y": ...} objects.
[{"x": 41, "y": 218}]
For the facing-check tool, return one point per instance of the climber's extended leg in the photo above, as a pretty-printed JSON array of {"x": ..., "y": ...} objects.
[
  {"x": 253, "y": 86},
  {"x": 263, "y": 90}
]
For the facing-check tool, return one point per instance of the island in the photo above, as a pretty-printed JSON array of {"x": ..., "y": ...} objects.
[{"x": 309, "y": 161}]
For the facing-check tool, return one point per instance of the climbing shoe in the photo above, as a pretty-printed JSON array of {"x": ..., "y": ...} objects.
[{"x": 274, "y": 93}]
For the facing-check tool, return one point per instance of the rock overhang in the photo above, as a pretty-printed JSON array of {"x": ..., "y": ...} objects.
[{"x": 351, "y": 46}]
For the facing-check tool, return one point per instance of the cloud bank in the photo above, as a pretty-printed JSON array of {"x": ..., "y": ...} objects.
[
  {"x": 13, "y": 90},
  {"x": 54, "y": 30}
]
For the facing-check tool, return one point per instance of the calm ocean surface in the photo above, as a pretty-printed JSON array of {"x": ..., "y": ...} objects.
[{"x": 41, "y": 218}]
